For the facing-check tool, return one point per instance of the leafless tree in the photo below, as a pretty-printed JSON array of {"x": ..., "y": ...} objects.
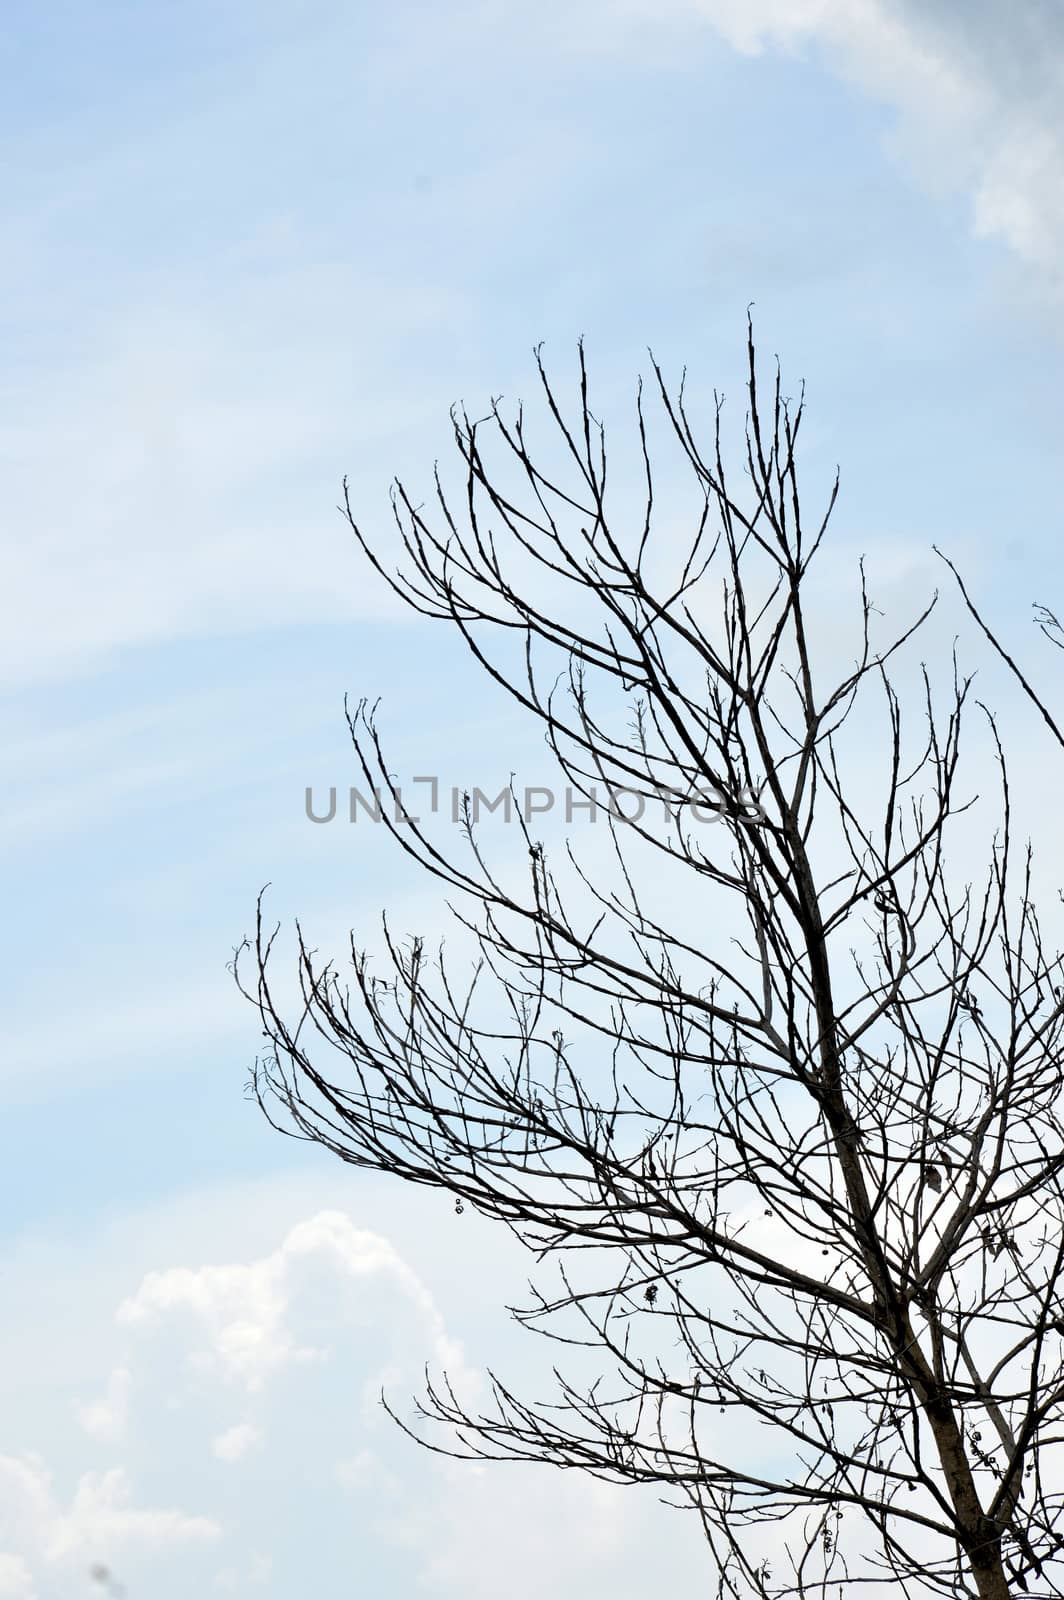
[{"x": 824, "y": 1155}]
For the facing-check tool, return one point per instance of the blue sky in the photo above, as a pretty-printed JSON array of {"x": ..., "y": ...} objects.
[{"x": 247, "y": 249}]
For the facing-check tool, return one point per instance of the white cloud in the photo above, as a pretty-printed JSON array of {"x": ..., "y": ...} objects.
[
  {"x": 333, "y": 1487},
  {"x": 1020, "y": 194},
  {"x": 101, "y": 1517},
  {"x": 963, "y": 119},
  {"x": 16, "y": 1582},
  {"x": 283, "y": 1328},
  {"x": 245, "y": 1314},
  {"x": 106, "y": 1418},
  {"x": 236, "y": 1441}
]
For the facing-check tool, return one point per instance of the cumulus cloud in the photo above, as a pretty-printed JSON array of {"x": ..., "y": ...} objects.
[
  {"x": 241, "y": 1468},
  {"x": 247, "y": 1315},
  {"x": 304, "y": 1334},
  {"x": 194, "y": 1336},
  {"x": 101, "y": 1517}
]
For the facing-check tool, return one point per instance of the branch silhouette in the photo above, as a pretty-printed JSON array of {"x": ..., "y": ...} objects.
[{"x": 785, "y": 1090}]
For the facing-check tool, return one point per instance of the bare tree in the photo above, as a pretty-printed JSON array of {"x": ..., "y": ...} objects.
[{"x": 825, "y": 1155}]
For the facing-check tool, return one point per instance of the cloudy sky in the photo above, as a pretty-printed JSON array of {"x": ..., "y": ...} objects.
[{"x": 247, "y": 248}]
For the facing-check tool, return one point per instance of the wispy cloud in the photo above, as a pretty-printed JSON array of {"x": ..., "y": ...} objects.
[
  {"x": 184, "y": 483},
  {"x": 978, "y": 94}
]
